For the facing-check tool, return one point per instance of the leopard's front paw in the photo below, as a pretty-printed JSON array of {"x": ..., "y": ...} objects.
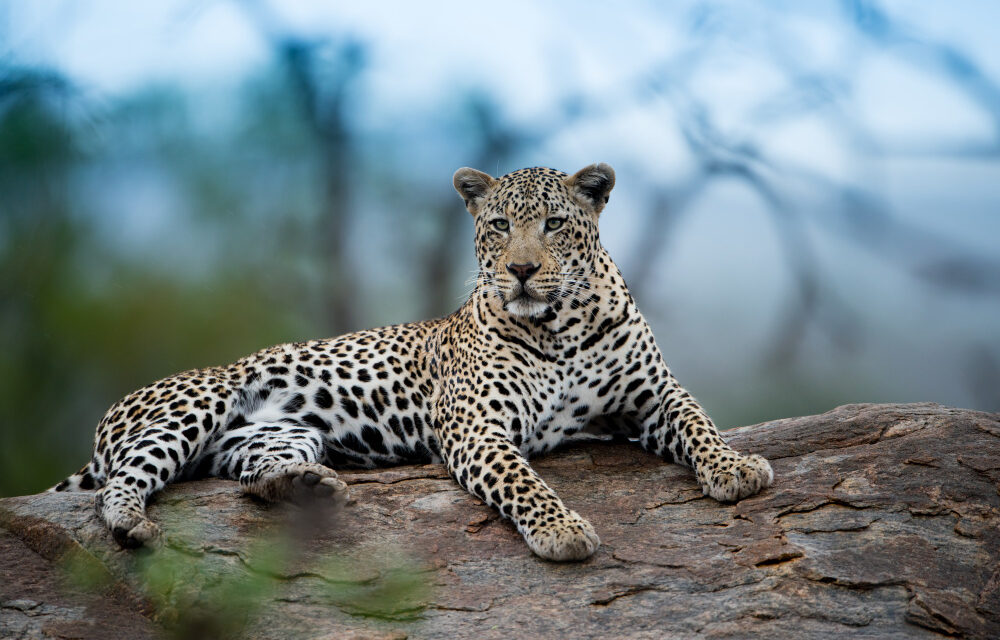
[
  {"x": 569, "y": 537},
  {"x": 742, "y": 477}
]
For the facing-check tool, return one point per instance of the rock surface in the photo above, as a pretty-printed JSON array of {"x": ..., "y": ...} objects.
[{"x": 884, "y": 520}]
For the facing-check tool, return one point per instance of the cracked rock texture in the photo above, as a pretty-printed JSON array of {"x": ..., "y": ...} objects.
[{"x": 883, "y": 521}]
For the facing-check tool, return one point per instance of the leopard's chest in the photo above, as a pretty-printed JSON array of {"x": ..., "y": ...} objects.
[{"x": 564, "y": 397}]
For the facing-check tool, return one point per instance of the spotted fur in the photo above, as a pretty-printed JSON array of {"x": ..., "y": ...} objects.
[{"x": 549, "y": 343}]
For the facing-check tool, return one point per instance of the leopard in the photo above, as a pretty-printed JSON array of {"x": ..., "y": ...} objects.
[{"x": 549, "y": 346}]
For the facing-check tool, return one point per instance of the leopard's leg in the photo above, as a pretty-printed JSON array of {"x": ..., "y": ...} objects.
[
  {"x": 673, "y": 426},
  {"x": 143, "y": 464},
  {"x": 481, "y": 457},
  {"x": 275, "y": 461},
  {"x": 676, "y": 428}
]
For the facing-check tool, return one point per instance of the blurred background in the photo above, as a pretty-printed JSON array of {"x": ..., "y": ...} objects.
[{"x": 807, "y": 207}]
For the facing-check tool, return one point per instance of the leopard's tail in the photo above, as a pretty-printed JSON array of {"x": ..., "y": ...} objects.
[{"x": 83, "y": 480}]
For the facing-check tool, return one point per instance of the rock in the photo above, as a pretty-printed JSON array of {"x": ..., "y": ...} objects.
[{"x": 884, "y": 520}]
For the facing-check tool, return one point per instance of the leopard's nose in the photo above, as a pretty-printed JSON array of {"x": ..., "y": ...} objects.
[{"x": 523, "y": 271}]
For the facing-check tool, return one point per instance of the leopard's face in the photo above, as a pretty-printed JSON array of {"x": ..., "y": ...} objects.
[{"x": 536, "y": 233}]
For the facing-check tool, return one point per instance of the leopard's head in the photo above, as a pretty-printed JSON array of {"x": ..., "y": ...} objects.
[{"x": 536, "y": 233}]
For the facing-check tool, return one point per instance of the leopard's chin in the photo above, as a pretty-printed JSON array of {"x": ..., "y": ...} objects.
[{"x": 525, "y": 306}]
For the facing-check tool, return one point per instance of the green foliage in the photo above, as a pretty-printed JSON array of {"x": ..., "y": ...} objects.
[
  {"x": 193, "y": 599},
  {"x": 84, "y": 572},
  {"x": 195, "y": 591}
]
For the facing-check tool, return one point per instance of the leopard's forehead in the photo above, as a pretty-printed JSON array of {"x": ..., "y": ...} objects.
[
  {"x": 531, "y": 178},
  {"x": 528, "y": 191}
]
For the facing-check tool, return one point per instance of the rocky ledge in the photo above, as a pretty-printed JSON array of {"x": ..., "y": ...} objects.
[{"x": 884, "y": 520}]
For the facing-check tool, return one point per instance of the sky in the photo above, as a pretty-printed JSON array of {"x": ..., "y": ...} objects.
[
  {"x": 420, "y": 48},
  {"x": 529, "y": 55}
]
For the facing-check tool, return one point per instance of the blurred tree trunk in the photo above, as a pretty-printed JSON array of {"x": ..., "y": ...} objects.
[
  {"x": 495, "y": 143},
  {"x": 325, "y": 115}
]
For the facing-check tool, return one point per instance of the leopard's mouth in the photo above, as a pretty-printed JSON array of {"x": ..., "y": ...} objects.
[{"x": 525, "y": 293}]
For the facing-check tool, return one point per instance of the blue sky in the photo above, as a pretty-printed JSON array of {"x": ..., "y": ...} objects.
[{"x": 529, "y": 55}]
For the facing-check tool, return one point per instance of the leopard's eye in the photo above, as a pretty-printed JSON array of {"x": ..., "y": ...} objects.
[
  {"x": 552, "y": 224},
  {"x": 500, "y": 224}
]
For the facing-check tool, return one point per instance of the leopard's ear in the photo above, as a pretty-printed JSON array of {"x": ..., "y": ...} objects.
[
  {"x": 592, "y": 185},
  {"x": 473, "y": 186}
]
